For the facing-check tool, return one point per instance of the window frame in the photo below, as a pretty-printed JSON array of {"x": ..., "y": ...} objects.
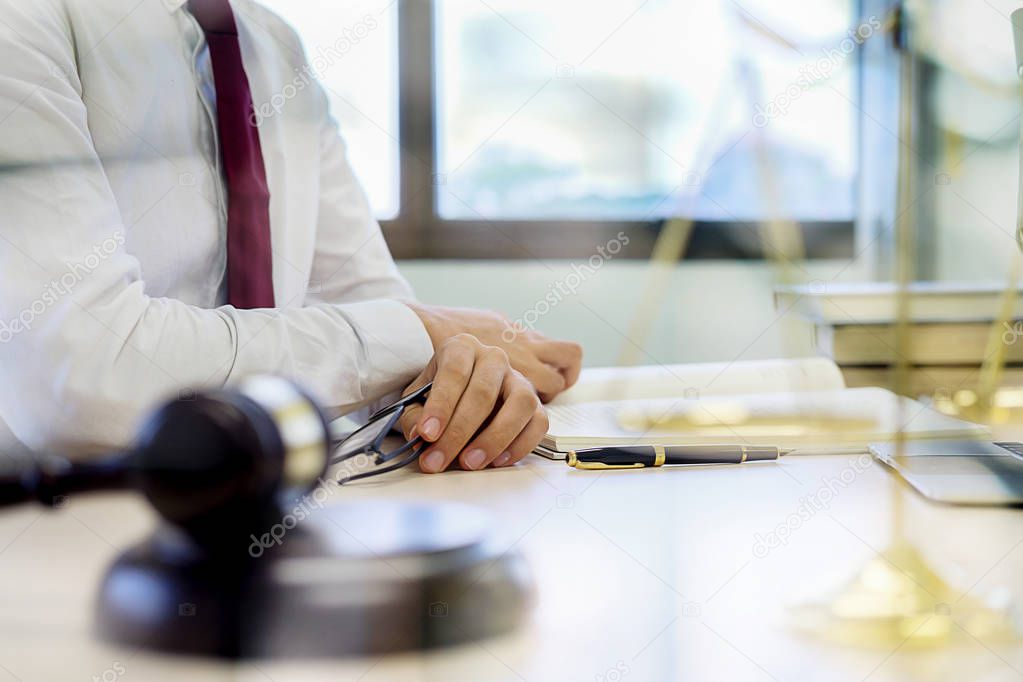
[{"x": 418, "y": 231}]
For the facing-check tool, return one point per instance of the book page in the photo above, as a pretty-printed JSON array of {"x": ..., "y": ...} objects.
[
  {"x": 703, "y": 379},
  {"x": 820, "y": 420}
]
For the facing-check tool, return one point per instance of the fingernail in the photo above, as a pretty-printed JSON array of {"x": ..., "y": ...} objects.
[
  {"x": 475, "y": 458},
  {"x": 431, "y": 429},
  {"x": 434, "y": 461},
  {"x": 502, "y": 459}
]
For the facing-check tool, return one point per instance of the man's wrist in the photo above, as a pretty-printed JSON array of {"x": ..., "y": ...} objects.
[{"x": 428, "y": 317}]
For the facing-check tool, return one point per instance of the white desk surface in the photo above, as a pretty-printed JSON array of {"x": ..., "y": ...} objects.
[{"x": 640, "y": 575}]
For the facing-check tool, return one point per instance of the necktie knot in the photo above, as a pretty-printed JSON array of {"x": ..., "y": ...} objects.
[{"x": 214, "y": 16}]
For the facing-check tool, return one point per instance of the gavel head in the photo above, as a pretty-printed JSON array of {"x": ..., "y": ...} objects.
[{"x": 222, "y": 464}]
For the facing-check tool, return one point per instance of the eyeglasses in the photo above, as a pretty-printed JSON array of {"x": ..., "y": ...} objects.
[{"x": 369, "y": 439}]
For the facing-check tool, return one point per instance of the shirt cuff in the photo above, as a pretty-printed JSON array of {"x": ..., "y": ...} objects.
[{"x": 395, "y": 345}]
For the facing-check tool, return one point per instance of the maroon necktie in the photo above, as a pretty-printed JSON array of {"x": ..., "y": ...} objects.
[{"x": 249, "y": 261}]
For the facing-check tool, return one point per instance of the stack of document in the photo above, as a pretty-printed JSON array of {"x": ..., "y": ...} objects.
[
  {"x": 799, "y": 404},
  {"x": 950, "y": 327}
]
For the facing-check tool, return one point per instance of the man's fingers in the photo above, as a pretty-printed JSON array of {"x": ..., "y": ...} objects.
[
  {"x": 518, "y": 406},
  {"x": 524, "y": 443},
  {"x": 547, "y": 381},
  {"x": 425, "y": 377},
  {"x": 409, "y": 419},
  {"x": 475, "y": 406},
  {"x": 410, "y": 416},
  {"x": 455, "y": 363},
  {"x": 482, "y": 412},
  {"x": 565, "y": 355}
]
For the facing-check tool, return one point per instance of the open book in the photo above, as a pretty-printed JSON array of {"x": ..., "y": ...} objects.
[{"x": 800, "y": 404}]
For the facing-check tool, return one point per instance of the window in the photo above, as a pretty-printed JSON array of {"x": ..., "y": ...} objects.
[
  {"x": 518, "y": 128},
  {"x": 576, "y": 109},
  {"x": 352, "y": 49}
]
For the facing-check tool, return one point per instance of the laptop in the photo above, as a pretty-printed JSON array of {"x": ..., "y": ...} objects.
[{"x": 967, "y": 472}]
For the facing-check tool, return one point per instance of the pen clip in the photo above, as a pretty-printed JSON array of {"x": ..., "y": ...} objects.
[
  {"x": 573, "y": 461},
  {"x": 602, "y": 465}
]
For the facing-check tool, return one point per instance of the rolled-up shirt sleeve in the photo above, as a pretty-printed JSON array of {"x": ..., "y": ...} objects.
[{"x": 84, "y": 351}]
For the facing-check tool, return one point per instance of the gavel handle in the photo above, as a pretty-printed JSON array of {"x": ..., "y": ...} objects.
[{"x": 50, "y": 482}]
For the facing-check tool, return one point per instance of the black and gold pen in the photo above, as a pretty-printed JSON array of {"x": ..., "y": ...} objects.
[{"x": 641, "y": 456}]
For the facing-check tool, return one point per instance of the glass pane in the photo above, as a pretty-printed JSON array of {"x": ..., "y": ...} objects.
[
  {"x": 352, "y": 49},
  {"x": 577, "y": 109}
]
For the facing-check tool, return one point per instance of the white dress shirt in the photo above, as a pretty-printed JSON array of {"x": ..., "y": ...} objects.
[{"x": 113, "y": 225}]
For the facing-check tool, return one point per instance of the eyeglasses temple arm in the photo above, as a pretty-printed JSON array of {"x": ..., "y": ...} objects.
[{"x": 400, "y": 464}]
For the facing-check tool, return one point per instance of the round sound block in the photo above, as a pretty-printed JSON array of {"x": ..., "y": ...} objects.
[{"x": 343, "y": 580}]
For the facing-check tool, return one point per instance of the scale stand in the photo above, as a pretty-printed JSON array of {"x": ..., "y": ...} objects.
[
  {"x": 896, "y": 599},
  {"x": 352, "y": 579}
]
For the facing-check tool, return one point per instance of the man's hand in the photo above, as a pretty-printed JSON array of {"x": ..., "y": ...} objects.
[
  {"x": 479, "y": 410},
  {"x": 551, "y": 366}
]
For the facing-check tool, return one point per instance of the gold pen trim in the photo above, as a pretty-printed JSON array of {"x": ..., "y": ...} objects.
[
  {"x": 601, "y": 465},
  {"x": 745, "y": 454},
  {"x": 573, "y": 461},
  {"x": 659, "y": 455}
]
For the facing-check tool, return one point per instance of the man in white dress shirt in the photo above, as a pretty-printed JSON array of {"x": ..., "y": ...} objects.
[{"x": 114, "y": 219}]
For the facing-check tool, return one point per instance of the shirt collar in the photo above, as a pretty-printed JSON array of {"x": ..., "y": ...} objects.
[{"x": 174, "y": 5}]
